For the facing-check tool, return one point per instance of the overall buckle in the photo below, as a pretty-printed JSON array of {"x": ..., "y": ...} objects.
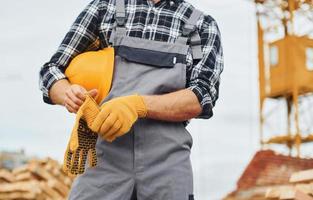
[
  {"x": 120, "y": 20},
  {"x": 188, "y": 29}
]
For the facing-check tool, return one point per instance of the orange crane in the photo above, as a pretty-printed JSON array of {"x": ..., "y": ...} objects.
[{"x": 285, "y": 46}]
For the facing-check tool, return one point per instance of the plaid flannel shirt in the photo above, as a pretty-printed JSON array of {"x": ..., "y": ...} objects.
[{"x": 163, "y": 21}]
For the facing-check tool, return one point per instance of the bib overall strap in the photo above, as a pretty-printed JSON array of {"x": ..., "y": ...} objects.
[
  {"x": 190, "y": 33},
  {"x": 120, "y": 20},
  {"x": 120, "y": 12}
]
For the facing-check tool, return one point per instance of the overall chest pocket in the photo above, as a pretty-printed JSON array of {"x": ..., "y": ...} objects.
[
  {"x": 150, "y": 57},
  {"x": 159, "y": 67}
]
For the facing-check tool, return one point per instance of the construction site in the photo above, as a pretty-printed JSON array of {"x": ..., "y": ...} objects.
[
  {"x": 285, "y": 49},
  {"x": 281, "y": 168}
]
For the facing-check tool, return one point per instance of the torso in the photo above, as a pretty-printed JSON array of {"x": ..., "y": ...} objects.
[{"x": 159, "y": 22}]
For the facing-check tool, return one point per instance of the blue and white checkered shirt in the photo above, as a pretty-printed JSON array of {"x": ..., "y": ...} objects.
[{"x": 162, "y": 21}]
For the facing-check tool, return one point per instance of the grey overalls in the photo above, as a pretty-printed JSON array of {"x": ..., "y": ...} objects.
[{"x": 152, "y": 161}]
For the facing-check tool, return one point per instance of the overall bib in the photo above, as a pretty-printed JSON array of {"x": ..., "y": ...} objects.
[{"x": 152, "y": 161}]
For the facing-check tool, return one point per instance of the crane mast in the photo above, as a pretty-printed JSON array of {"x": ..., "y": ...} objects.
[{"x": 285, "y": 53}]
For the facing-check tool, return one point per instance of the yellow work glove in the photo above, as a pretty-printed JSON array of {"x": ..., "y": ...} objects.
[
  {"x": 83, "y": 140},
  {"x": 118, "y": 115}
]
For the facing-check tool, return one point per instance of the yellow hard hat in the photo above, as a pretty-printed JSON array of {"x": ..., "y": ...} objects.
[{"x": 93, "y": 70}]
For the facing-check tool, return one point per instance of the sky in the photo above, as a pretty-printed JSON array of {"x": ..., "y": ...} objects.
[{"x": 32, "y": 30}]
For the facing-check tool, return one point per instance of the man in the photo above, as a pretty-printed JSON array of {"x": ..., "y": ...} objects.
[{"x": 161, "y": 80}]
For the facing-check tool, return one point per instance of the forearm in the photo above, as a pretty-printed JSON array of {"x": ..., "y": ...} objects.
[
  {"x": 57, "y": 92},
  {"x": 82, "y": 36},
  {"x": 175, "y": 107}
]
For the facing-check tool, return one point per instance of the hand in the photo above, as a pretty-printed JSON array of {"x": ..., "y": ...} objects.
[
  {"x": 75, "y": 96},
  {"x": 118, "y": 115}
]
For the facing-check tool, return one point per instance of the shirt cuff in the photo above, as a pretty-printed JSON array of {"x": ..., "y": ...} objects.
[
  {"x": 52, "y": 75},
  {"x": 207, "y": 108}
]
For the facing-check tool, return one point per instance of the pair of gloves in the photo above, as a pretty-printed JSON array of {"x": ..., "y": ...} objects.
[{"x": 110, "y": 121}]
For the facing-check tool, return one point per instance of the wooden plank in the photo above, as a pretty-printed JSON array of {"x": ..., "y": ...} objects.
[
  {"x": 3, "y": 181},
  {"x": 59, "y": 187},
  {"x": 61, "y": 177},
  {"x": 303, "y": 176},
  {"x": 54, "y": 163},
  {"x": 277, "y": 191},
  {"x": 287, "y": 194},
  {"x": 50, "y": 167},
  {"x": 41, "y": 196},
  {"x": 25, "y": 176},
  {"x": 302, "y": 196},
  {"x": 29, "y": 186},
  {"x": 49, "y": 191},
  {"x": 21, "y": 169},
  {"x": 305, "y": 188},
  {"x": 67, "y": 181},
  {"x": 43, "y": 174},
  {"x": 55, "y": 170},
  {"x": 272, "y": 193},
  {"x": 6, "y": 176},
  {"x": 18, "y": 195}
]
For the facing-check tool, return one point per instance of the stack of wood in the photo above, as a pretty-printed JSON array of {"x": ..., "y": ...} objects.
[
  {"x": 301, "y": 188},
  {"x": 39, "y": 179}
]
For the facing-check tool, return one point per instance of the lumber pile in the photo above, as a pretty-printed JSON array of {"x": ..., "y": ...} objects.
[
  {"x": 301, "y": 188},
  {"x": 39, "y": 179}
]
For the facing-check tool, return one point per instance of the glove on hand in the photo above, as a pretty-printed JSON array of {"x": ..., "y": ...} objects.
[
  {"x": 83, "y": 140},
  {"x": 118, "y": 115}
]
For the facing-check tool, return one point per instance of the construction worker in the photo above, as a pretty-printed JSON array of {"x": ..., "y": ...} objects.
[{"x": 168, "y": 61}]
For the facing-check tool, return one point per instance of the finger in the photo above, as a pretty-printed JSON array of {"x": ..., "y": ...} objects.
[
  {"x": 93, "y": 93},
  {"x": 120, "y": 132},
  {"x": 74, "y": 162},
  {"x": 111, "y": 139},
  {"x": 79, "y": 92},
  {"x": 67, "y": 160},
  {"x": 82, "y": 161},
  {"x": 92, "y": 157},
  {"x": 99, "y": 120},
  {"x": 72, "y": 108},
  {"x": 123, "y": 131},
  {"x": 114, "y": 129},
  {"x": 108, "y": 124},
  {"x": 74, "y": 97},
  {"x": 69, "y": 109},
  {"x": 82, "y": 89},
  {"x": 69, "y": 102}
]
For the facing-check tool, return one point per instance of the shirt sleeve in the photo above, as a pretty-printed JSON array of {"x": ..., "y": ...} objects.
[
  {"x": 205, "y": 75},
  {"x": 82, "y": 35}
]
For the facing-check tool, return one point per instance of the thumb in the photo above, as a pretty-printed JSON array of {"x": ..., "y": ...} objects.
[{"x": 93, "y": 93}]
